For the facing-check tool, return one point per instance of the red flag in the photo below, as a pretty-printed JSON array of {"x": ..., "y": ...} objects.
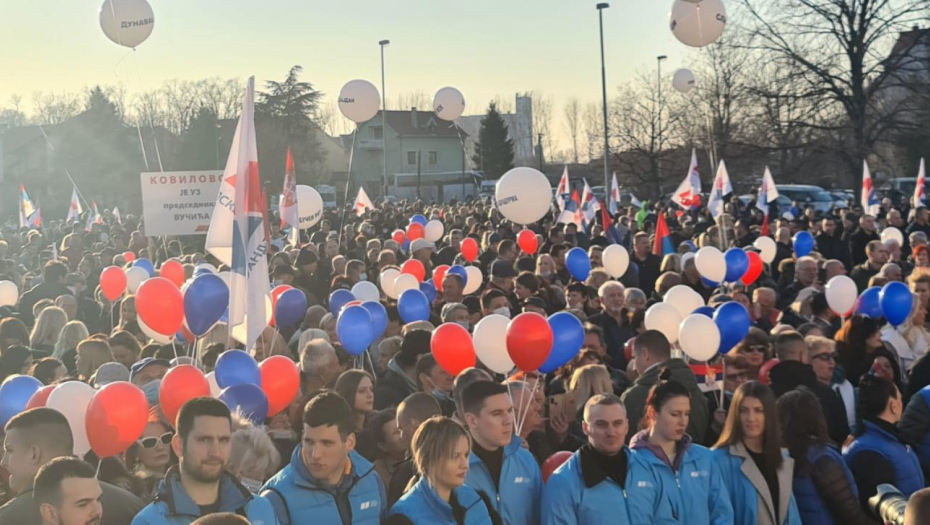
[
  {"x": 663, "y": 242},
  {"x": 764, "y": 231}
]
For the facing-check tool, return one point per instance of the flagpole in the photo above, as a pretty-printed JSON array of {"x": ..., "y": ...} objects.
[{"x": 345, "y": 200}]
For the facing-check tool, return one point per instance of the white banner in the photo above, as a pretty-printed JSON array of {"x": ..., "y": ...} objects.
[{"x": 179, "y": 202}]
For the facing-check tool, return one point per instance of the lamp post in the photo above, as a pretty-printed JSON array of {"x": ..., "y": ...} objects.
[
  {"x": 600, "y": 14},
  {"x": 383, "y": 44},
  {"x": 659, "y": 60}
]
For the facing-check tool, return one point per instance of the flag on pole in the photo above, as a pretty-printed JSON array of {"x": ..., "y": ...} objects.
[
  {"x": 289, "y": 215},
  {"x": 237, "y": 231},
  {"x": 870, "y": 204},
  {"x": 722, "y": 188},
  {"x": 74, "y": 210},
  {"x": 767, "y": 194},
  {"x": 93, "y": 218},
  {"x": 362, "y": 202},
  {"x": 688, "y": 193},
  {"x": 116, "y": 215},
  {"x": 663, "y": 243},
  {"x": 26, "y": 208},
  {"x": 589, "y": 204},
  {"x": 635, "y": 201},
  {"x": 613, "y": 202},
  {"x": 920, "y": 192},
  {"x": 610, "y": 231},
  {"x": 36, "y": 220},
  {"x": 562, "y": 190}
]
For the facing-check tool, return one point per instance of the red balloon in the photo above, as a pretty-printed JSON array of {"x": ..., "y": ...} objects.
[
  {"x": 280, "y": 382},
  {"x": 415, "y": 231},
  {"x": 553, "y": 462},
  {"x": 350, "y": 303},
  {"x": 415, "y": 268},
  {"x": 469, "y": 249},
  {"x": 527, "y": 241},
  {"x": 181, "y": 384},
  {"x": 399, "y": 236},
  {"x": 754, "y": 270},
  {"x": 112, "y": 282},
  {"x": 439, "y": 273},
  {"x": 40, "y": 397},
  {"x": 173, "y": 271},
  {"x": 160, "y": 305},
  {"x": 116, "y": 417},
  {"x": 275, "y": 293},
  {"x": 529, "y": 341},
  {"x": 129, "y": 256},
  {"x": 453, "y": 348}
]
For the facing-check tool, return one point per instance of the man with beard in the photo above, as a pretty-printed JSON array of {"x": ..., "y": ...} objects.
[
  {"x": 201, "y": 485},
  {"x": 67, "y": 493}
]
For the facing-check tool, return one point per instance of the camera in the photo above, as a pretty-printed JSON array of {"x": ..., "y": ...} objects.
[{"x": 888, "y": 504}]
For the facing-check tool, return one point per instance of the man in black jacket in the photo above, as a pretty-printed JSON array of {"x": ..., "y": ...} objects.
[
  {"x": 861, "y": 238},
  {"x": 51, "y": 287},
  {"x": 877, "y": 256},
  {"x": 400, "y": 380},
  {"x": 829, "y": 243}
]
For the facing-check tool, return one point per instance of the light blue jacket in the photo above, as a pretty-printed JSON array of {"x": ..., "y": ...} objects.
[
  {"x": 518, "y": 500},
  {"x": 421, "y": 505},
  {"x": 172, "y": 505},
  {"x": 574, "y": 494},
  {"x": 749, "y": 491}
]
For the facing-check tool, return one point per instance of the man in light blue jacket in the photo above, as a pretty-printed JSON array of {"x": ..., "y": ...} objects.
[{"x": 498, "y": 466}]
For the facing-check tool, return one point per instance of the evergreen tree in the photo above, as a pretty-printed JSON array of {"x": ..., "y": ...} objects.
[
  {"x": 199, "y": 147},
  {"x": 494, "y": 149}
]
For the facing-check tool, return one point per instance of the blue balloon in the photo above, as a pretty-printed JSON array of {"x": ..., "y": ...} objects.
[
  {"x": 567, "y": 340},
  {"x": 406, "y": 246},
  {"x": 379, "y": 318},
  {"x": 14, "y": 395},
  {"x": 235, "y": 367},
  {"x": 868, "y": 304},
  {"x": 338, "y": 299},
  {"x": 412, "y": 305},
  {"x": 803, "y": 243},
  {"x": 691, "y": 245},
  {"x": 896, "y": 302},
  {"x": 355, "y": 329},
  {"x": 248, "y": 400},
  {"x": 429, "y": 290},
  {"x": 708, "y": 283},
  {"x": 290, "y": 308},
  {"x": 142, "y": 262},
  {"x": 732, "y": 319},
  {"x": 460, "y": 271},
  {"x": 578, "y": 263},
  {"x": 705, "y": 310},
  {"x": 205, "y": 301},
  {"x": 737, "y": 264},
  {"x": 419, "y": 219}
]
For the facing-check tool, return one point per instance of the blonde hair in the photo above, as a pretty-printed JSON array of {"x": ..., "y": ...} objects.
[
  {"x": 92, "y": 353},
  {"x": 587, "y": 381},
  {"x": 252, "y": 447},
  {"x": 70, "y": 336},
  {"x": 671, "y": 263},
  {"x": 49, "y": 324},
  {"x": 818, "y": 341},
  {"x": 435, "y": 441}
]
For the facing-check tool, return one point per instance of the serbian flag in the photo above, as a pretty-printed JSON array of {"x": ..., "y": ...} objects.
[
  {"x": 688, "y": 194},
  {"x": 26, "y": 208},
  {"x": 589, "y": 204},
  {"x": 93, "y": 218},
  {"x": 562, "y": 190},
  {"x": 613, "y": 202},
  {"x": 362, "y": 202},
  {"x": 663, "y": 243},
  {"x": 920, "y": 195},
  {"x": 722, "y": 188},
  {"x": 610, "y": 232},
  {"x": 36, "y": 220},
  {"x": 572, "y": 213},
  {"x": 289, "y": 216},
  {"x": 75, "y": 209},
  {"x": 870, "y": 203},
  {"x": 767, "y": 194}
]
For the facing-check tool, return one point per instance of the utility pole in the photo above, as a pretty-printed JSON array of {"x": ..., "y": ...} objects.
[
  {"x": 659, "y": 60},
  {"x": 383, "y": 44},
  {"x": 600, "y": 14}
]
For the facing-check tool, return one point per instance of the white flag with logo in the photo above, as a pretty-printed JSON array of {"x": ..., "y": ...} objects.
[
  {"x": 613, "y": 202},
  {"x": 767, "y": 192},
  {"x": 722, "y": 187},
  {"x": 362, "y": 202},
  {"x": 75, "y": 209}
]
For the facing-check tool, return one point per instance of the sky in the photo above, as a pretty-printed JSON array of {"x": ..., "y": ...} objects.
[{"x": 486, "y": 48}]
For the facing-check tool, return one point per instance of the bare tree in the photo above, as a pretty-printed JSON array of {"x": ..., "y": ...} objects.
[
  {"x": 593, "y": 128},
  {"x": 13, "y": 116},
  {"x": 52, "y": 108},
  {"x": 419, "y": 99},
  {"x": 542, "y": 121},
  {"x": 572, "y": 114}
]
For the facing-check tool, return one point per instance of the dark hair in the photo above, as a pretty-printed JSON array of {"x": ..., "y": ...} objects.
[
  {"x": 528, "y": 280},
  {"x": 732, "y": 432},
  {"x": 784, "y": 340},
  {"x": 50, "y": 425},
  {"x": 802, "y": 425},
  {"x": 455, "y": 276},
  {"x": 419, "y": 406},
  {"x": 329, "y": 409},
  {"x": 662, "y": 392},
  {"x": 376, "y": 422},
  {"x": 654, "y": 342},
  {"x": 13, "y": 328},
  {"x": 475, "y": 395},
  {"x": 47, "y": 487},
  {"x": 200, "y": 406},
  {"x": 874, "y": 394},
  {"x": 489, "y": 295},
  {"x": 819, "y": 303},
  {"x": 54, "y": 271},
  {"x": 44, "y": 369},
  {"x": 126, "y": 339},
  {"x": 347, "y": 385},
  {"x": 425, "y": 364}
]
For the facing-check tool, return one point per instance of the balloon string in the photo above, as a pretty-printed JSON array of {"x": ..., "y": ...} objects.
[
  {"x": 510, "y": 393},
  {"x": 99, "y": 464},
  {"x": 529, "y": 401},
  {"x": 174, "y": 345},
  {"x": 723, "y": 384}
]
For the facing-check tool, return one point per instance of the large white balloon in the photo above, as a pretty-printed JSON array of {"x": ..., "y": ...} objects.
[
  {"x": 841, "y": 294},
  {"x": 616, "y": 260},
  {"x": 309, "y": 206},
  {"x": 71, "y": 399},
  {"x": 405, "y": 282},
  {"x": 134, "y": 277},
  {"x": 767, "y": 249},
  {"x": 699, "y": 337},
  {"x": 893, "y": 233},
  {"x": 434, "y": 230},
  {"x": 683, "y": 80},
  {"x": 127, "y": 22},
  {"x": 664, "y": 318},
  {"x": 366, "y": 291},
  {"x": 684, "y": 299},
  {"x": 523, "y": 195},
  {"x": 697, "y": 24},
  {"x": 711, "y": 264},
  {"x": 386, "y": 281},
  {"x": 240, "y": 331},
  {"x": 449, "y": 103},
  {"x": 475, "y": 278},
  {"x": 9, "y": 293},
  {"x": 490, "y": 339},
  {"x": 359, "y": 101}
]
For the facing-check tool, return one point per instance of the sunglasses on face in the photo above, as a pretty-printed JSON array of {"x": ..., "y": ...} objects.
[
  {"x": 152, "y": 441},
  {"x": 756, "y": 348},
  {"x": 825, "y": 357}
]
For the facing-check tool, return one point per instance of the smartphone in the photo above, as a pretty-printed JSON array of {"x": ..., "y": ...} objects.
[{"x": 556, "y": 404}]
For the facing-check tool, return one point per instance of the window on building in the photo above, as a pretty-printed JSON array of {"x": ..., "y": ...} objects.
[
  {"x": 412, "y": 158},
  {"x": 377, "y": 132},
  {"x": 433, "y": 158}
]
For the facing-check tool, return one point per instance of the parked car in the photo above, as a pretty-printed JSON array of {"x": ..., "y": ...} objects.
[
  {"x": 808, "y": 195},
  {"x": 902, "y": 187}
]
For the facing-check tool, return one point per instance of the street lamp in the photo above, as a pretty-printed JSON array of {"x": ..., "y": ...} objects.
[
  {"x": 600, "y": 14},
  {"x": 659, "y": 60},
  {"x": 383, "y": 44}
]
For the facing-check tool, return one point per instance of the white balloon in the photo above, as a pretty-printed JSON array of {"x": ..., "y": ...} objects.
[
  {"x": 475, "y": 279},
  {"x": 366, "y": 291},
  {"x": 699, "y": 337},
  {"x": 434, "y": 230},
  {"x": 767, "y": 249},
  {"x": 893, "y": 233},
  {"x": 71, "y": 399},
  {"x": 214, "y": 387},
  {"x": 449, "y": 103},
  {"x": 523, "y": 195},
  {"x": 616, "y": 260},
  {"x": 683, "y": 80},
  {"x": 359, "y": 101},
  {"x": 684, "y": 299},
  {"x": 127, "y": 22},
  {"x": 386, "y": 281},
  {"x": 697, "y": 24},
  {"x": 711, "y": 264},
  {"x": 490, "y": 339},
  {"x": 9, "y": 293},
  {"x": 152, "y": 334},
  {"x": 134, "y": 277},
  {"x": 405, "y": 282},
  {"x": 664, "y": 318},
  {"x": 239, "y": 332},
  {"x": 841, "y": 294},
  {"x": 309, "y": 206}
]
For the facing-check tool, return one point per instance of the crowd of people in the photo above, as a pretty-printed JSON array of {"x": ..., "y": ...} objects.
[{"x": 803, "y": 422}]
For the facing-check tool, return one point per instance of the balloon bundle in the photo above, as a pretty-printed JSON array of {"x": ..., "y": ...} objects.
[
  {"x": 736, "y": 265},
  {"x": 257, "y": 391}
]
